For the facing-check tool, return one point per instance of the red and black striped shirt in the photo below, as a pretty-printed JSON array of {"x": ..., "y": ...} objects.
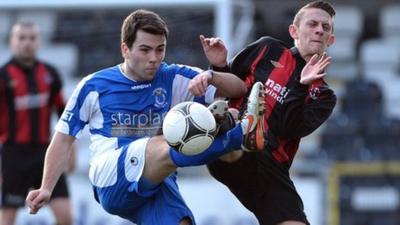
[
  {"x": 293, "y": 110},
  {"x": 27, "y": 98}
]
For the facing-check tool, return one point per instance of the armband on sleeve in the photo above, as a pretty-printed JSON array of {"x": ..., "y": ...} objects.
[{"x": 220, "y": 69}]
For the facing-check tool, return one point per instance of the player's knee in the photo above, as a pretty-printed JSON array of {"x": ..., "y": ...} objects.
[{"x": 157, "y": 150}]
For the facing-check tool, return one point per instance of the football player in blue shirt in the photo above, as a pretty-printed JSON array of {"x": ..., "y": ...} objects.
[{"x": 132, "y": 168}]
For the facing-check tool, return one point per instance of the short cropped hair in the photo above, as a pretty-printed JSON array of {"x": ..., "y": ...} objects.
[
  {"x": 319, "y": 4},
  {"x": 23, "y": 24},
  {"x": 145, "y": 20}
]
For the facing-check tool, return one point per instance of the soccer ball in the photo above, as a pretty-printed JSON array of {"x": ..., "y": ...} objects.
[{"x": 189, "y": 128}]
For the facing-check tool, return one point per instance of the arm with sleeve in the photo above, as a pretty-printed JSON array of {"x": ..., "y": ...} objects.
[{"x": 306, "y": 108}]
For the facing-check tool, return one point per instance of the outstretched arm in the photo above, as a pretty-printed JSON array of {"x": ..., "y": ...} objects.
[
  {"x": 227, "y": 84},
  {"x": 55, "y": 164}
]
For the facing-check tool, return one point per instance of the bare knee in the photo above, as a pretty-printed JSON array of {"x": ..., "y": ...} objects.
[
  {"x": 157, "y": 151},
  {"x": 158, "y": 163}
]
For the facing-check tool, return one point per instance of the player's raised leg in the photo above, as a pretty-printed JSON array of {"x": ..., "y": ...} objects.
[
  {"x": 248, "y": 134},
  {"x": 161, "y": 160}
]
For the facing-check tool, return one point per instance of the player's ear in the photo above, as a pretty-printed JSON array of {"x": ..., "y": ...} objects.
[
  {"x": 293, "y": 31},
  {"x": 124, "y": 50},
  {"x": 331, "y": 40}
]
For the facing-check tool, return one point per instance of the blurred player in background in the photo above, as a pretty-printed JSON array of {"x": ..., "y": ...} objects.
[
  {"x": 30, "y": 90},
  {"x": 297, "y": 100},
  {"x": 132, "y": 168}
]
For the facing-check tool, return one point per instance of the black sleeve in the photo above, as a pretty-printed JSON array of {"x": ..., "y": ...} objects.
[
  {"x": 305, "y": 109},
  {"x": 237, "y": 64},
  {"x": 3, "y": 102},
  {"x": 57, "y": 82},
  {"x": 56, "y": 96}
]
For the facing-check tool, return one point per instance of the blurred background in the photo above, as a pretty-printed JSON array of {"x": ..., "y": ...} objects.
[{"x": 347, "y": 172}]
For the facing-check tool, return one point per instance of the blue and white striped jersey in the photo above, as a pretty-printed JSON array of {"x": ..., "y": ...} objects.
[{"x": 120, "y": 110}]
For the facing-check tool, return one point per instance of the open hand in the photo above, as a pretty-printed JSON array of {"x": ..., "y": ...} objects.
[
  {"x": 215, "y": 50},
  {"x": 315, "y": 68}
]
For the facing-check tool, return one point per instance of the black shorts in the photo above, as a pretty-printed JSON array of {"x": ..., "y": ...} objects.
[
  {"x": 262, "y": 186},
  {"x": 21, "y": 171}
]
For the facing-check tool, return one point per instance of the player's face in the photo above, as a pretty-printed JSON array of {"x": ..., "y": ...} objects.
[
  {"x": 314, "y": 32},
  {"x": 143, "y": 59},
  {"x": 24, "y": 42}
]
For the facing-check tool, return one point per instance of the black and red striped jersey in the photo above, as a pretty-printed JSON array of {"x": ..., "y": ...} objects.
[
  {"x": 28, "y": 96},
  {"x": 293, "y": 110}
]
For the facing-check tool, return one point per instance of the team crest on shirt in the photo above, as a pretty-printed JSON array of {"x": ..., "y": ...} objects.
[
  {"x": 160, "y": 95},
  {"x": 314, "y": 93}
]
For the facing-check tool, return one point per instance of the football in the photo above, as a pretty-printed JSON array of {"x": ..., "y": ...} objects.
[{"x": 189, "y": 128}]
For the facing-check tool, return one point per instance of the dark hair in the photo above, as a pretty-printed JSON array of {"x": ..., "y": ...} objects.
[
  {"x": 319, "y": 4},
  {"x": 145, "y": 20}
]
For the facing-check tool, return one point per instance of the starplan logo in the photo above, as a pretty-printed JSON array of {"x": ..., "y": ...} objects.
[
  {"x": 276, "y": 91},
  {"x": 136, "y": 124},
  {"x": 160, "y": 95}
]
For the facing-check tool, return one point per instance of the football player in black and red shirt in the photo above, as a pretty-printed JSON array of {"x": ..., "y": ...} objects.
[
  {"x": 30, "y": 90},
  {"x": 297, "y": 101}
]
